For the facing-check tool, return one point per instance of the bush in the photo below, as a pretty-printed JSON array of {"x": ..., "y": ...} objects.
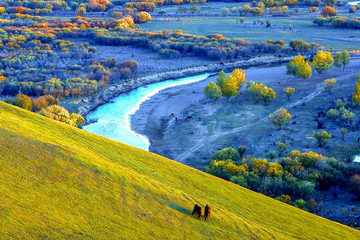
[
  {"x": 23, "y": 101},
  {"x": 169, "y": 53}
]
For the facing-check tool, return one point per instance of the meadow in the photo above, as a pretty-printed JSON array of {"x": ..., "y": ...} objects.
[{"x": 61, "y": 182}]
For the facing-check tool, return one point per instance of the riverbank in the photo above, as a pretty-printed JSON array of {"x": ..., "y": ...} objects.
[
  {"x": 88, "y": 104},
  {"x": 225, "y": 124}
]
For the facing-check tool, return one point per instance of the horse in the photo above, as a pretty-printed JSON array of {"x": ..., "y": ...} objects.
[{"x": 197, "y": 211}]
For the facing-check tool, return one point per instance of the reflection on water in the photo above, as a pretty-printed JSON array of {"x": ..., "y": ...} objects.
[{"x": 114, "y": 118}]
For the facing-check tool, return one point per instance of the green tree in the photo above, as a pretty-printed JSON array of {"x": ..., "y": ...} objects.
[
  {"x": 23, "y": 101},
  {"x": 322, "y": 61},
  {"x": 281, "y": 147},
  {"x": 280, "y": 117},
  {"x": 343, "y": 132},
  {"x": 342, "y": 59},
  {"x": 213, "y": 91},
  {"x": 221, "y": 78}
]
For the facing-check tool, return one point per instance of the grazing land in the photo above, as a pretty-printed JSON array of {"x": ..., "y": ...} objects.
[{"x": 63, "y": 182}]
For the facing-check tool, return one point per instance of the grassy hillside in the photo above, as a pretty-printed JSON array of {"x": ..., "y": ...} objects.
[{"x": 57, "y": 182}]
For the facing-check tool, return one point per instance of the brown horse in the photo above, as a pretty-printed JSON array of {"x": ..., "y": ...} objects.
[
  {"x": 197, "y": 210},
  {"x": 207, "y": 212}
]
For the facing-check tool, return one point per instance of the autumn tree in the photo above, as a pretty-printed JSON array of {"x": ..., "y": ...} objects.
[
  {"x": 80, "y": 11},
  {"x": 356, "y": 96},
  {"x": 299, "y": 67},
  {"x": 280, "y": 117},
  {"x": 60, "y": 114},
  {"x": 230, "y": 87},
  {"x": 322, "y": 61},
  {"x": 289, "y": 92},
  {"x": 239, "y": 75},
  {"x": 322, "y": 138},
  {"x": 267, "y": 95},
  {"x": 329, "y": 85},
  {"x": 2, "y": 11},
  {"x": 142, "y": 17},
  {"x": 328, "y": 11},
  {"x": 342, "y": 59},
  {"x": 3, "y": 81},
  {"x": 23, "y": 101},
  {"x": 213, "y": 91}
]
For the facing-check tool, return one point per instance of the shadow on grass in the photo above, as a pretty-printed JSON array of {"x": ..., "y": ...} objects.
[{"x": 180, "y": 209}]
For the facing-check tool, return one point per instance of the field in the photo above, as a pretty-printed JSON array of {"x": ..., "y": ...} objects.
[
  {"x": 302, "y": 26},
  {"x": 61, "y": 182}
]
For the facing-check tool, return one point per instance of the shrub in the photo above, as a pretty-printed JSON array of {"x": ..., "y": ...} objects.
[
  {"x": 23, "y": 101},
  {"x": 169, "y": 53}
]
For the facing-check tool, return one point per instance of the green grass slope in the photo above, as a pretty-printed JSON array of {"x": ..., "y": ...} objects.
[{"x": 59, "y": 182}]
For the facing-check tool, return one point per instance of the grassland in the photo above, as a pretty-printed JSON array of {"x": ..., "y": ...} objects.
[
  {"x": 302, "y": 26},
  {"x": 61, "y": 182}
]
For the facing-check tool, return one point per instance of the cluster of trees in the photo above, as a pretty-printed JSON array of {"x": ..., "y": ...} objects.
[
  {"x": 295, "y": 176},
  {"x": 226, "y": 86},
  {"x": 261, "y": 92},
  {"x": 322, "y": 61},
  {"x": 214, "y": 46},
  {"x": 47, "y": 106},
  {"x": 340, "y": 22}
]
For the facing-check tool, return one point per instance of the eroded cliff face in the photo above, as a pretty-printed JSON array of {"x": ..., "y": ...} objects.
[{"x": 88, "y": 104}]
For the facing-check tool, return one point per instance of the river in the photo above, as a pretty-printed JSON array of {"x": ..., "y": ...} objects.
[{"x": 113, "y": 119}]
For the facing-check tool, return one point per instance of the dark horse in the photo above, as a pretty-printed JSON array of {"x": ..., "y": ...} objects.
[
  {"x": 207, "y": 212},
  {"x": 197, "y": 210}
]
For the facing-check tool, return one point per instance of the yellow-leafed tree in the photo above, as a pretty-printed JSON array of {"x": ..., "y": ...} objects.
[{"x": 322, "y": 61}]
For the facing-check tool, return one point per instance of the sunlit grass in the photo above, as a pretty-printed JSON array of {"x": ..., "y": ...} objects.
[{"x": 57, "y": 181}]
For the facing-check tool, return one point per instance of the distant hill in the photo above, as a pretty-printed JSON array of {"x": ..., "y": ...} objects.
[{"x": 59, "y": 182}]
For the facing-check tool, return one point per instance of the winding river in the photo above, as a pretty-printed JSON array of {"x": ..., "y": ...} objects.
[{"x": 114, "y": 118}]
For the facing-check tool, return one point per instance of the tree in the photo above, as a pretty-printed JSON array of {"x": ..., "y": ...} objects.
[
  {"x": 280, "y": 117},
  {"x": 299, "y": 67},
  {"x": 226, "y": 154},
  {"x": 356, "y": 96},
  {"x": 23, "y": 101},
  {"x": 213, "y": 91},
  {"x": 2, "y": 11},
  {"x": 330, "y": 84},
  {"x": 142, "y": 17},
  {"x": 224, "y": 11},
  {"x": 289, "y": 92},
  {"x": 322, "y": 138},
  {"x": 342, "y": 59},
  {"x": 343, "y": 132},
  {"x": 80, "y": 11},
  {"x": 221, "y": 78},
  {"x": 230, "y": 87},
  {"x": 328, "y": 11},
  {"x": 239, "y": 75},
  {"x": 322, "y": 61},
  {"x": 267, "y": 95},
  {"x": 281, "y": 147},
  {"x": 60, "y": 114}
]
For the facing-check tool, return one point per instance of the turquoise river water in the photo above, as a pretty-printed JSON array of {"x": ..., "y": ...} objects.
[{"x": 114, "y": 118}]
